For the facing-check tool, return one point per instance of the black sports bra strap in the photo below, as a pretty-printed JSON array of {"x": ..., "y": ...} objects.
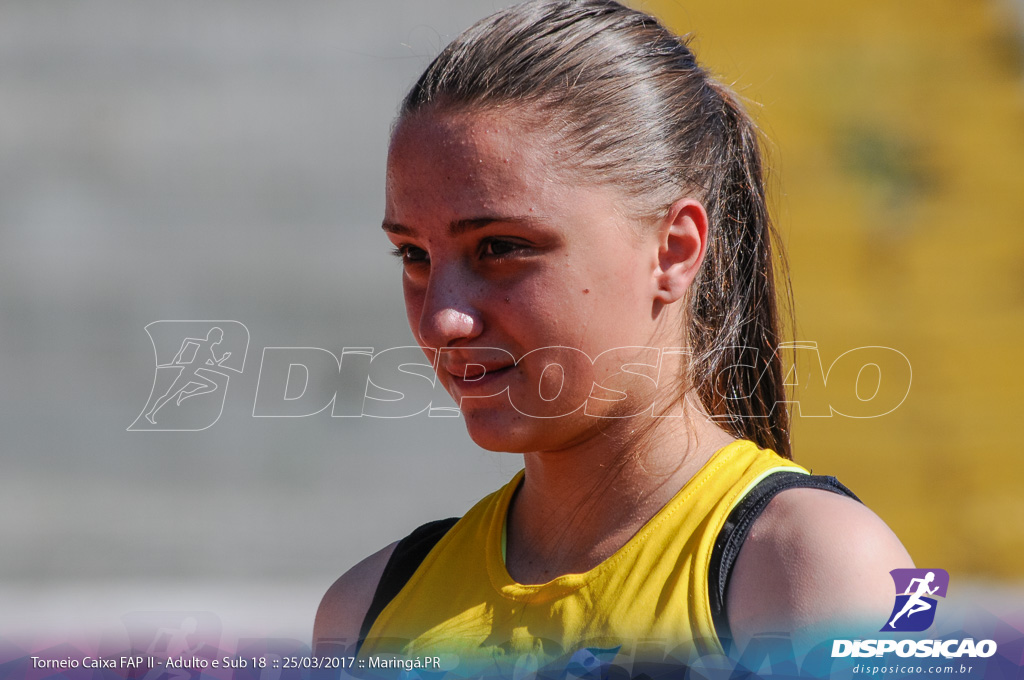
[
  {"x": 406, "y": 558},
  {"x": 737, "y": 526}
]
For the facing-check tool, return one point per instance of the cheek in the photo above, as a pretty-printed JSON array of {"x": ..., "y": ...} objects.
[
  {"x": 551, "y": 382},
  {"x": 569, "y": 378},
  {"x": 584, "y": 316},
  {"x": 413, "y": 306},
  {"x": 555, "y": 306}
]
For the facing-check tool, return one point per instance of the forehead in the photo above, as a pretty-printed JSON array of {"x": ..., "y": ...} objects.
[{"x": 469, "y": 162}]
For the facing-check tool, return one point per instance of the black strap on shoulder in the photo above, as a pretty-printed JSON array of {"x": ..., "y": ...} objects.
[
  {"x": 737, "y": 526},
  {"x": 406, "y": 558}
]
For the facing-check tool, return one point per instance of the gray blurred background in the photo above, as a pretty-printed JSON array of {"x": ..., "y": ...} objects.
[{"x": 199, "y": 160}]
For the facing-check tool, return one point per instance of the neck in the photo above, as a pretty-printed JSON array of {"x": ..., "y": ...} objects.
[{"x": 579, "y": 505}]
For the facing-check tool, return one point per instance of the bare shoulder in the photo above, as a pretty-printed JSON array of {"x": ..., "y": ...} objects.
[
  {"x": 346, "y": 602},
  {"x": 813, "y": 560}
]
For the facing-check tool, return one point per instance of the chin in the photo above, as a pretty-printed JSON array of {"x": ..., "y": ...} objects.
[
  {"x": 497, "y": 430},
  {"x": 507, "y": 430}
]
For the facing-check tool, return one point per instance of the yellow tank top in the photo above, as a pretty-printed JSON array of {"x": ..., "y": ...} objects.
[{"x": 462, "y": 601}]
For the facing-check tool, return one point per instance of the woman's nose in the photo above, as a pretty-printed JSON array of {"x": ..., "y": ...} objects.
[
  {"x": 448, "y": 314},
  {"x": 447, "y": 326}
]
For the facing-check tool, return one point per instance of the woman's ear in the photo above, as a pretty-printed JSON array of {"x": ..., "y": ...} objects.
[{"x": 682, "y": 242}]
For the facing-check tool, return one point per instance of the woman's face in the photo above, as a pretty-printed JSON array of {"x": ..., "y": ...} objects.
[{"x": 506, "y": 257}]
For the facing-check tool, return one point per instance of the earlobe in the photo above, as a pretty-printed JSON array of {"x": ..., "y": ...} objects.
[{"x": 682, "y": 242}]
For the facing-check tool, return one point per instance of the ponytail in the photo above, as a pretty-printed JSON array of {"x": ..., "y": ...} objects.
[{"x": 734, "y": 331}]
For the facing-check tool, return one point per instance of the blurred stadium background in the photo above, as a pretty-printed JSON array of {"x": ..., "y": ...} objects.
[{"x": 225, "y": 161}]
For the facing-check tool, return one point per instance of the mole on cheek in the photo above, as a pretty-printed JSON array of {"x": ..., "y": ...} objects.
[{"x": 586, "y": 291}]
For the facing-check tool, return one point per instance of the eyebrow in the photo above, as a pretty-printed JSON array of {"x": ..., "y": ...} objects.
[{"x": 460, "y": 226}]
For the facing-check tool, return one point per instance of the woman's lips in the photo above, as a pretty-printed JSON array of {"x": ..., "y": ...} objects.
[{"x": 478, "y": 380}]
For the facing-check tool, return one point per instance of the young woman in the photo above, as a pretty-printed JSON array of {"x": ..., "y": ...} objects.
[{"x": 588, "y": 262}]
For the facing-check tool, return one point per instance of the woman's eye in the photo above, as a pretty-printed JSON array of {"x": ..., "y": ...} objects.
[
  {"x": 500, "y": 247},
  {"x": 411, "y": 254}
]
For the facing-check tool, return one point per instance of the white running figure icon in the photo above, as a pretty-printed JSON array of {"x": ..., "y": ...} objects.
[
  {"x": 190, "y": 371},
  {"x": 915, "y": 604}
]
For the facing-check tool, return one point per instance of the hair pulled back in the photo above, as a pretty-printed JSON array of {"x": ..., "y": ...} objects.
[{"x": 628, "y": 99}]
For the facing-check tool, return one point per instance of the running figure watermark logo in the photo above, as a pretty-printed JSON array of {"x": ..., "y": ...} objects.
[
  {"x": 914, "y": 609},
  {"x": 194, "y": 362}
]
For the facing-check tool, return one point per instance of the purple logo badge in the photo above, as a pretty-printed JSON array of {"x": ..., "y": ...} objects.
[{"x": 914, "y": 609}]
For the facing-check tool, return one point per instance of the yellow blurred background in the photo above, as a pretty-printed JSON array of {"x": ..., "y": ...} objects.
[{"x": 896, "y": 138}]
